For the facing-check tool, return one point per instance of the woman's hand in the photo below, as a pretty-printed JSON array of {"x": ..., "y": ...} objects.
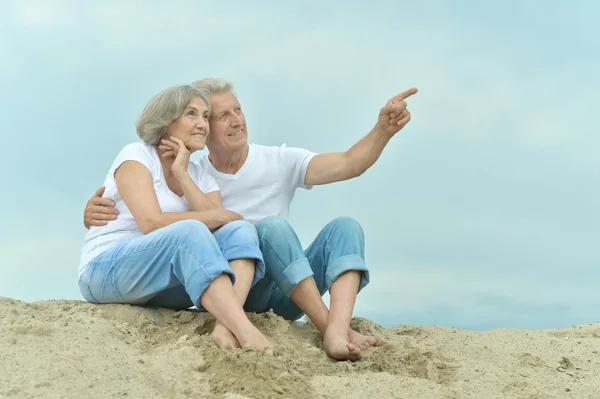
[{"x": 182, "y": 156}]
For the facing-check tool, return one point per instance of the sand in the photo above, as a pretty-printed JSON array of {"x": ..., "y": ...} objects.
[{"x": 73, "y": 349}]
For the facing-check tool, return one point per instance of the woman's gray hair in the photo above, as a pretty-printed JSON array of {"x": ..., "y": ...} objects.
[
  {"x": 165, "y": 108},
  {"x": 214, "y": 85}
]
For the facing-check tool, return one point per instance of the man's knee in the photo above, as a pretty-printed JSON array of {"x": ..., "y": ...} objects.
[{"x": 346, "y": 225}]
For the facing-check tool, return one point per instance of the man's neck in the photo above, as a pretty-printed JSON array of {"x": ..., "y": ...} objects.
[{"x": 229, "y": 163}]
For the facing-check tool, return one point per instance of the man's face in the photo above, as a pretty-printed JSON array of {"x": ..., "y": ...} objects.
[{"x": 227, "y": 124}]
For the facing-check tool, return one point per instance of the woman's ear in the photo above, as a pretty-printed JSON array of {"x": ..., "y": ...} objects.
[{"x": 165, "y": 132}]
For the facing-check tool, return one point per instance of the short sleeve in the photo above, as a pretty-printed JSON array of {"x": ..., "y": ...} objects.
[
  {"x": 134, "y": 152},
  {"x": 295, "y": 163},
  {"x": 203, "y": 179}
]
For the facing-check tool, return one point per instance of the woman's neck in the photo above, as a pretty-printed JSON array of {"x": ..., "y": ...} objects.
[{"x": 166, "y": 163}]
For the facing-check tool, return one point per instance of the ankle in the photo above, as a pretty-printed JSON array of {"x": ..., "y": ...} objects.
[
  {"x": 244, "y": 331},
  {"x": 338, "y": 328}
]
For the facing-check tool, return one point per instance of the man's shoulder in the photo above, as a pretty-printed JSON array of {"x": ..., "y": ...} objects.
[
  {"x": 273, "y": 149},
  {"x": 263, "y": 148}
]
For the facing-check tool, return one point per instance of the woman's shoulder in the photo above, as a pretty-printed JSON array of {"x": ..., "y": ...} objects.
[
  {"x": 140, "y": 148},
  {"x": 140, "y": 152}
]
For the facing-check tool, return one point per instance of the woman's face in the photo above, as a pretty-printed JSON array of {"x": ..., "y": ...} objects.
[{"x": 192, "y": 126}]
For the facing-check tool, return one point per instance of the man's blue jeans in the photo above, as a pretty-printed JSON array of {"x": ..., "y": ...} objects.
[
  {"x": 338, "y": 248},
  {"x": 171, "y": 267}
]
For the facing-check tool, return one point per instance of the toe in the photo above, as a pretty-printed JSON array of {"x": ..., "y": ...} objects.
[{"x": 355, "y": 352}]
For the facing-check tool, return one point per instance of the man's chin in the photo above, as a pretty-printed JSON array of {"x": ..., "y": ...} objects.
[{"x": 239, "y": 144}]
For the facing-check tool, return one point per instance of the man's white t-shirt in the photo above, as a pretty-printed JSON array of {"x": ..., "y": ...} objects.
[
  {"x": 266, "y": 183},
  {"x": 125, "y": 228}
]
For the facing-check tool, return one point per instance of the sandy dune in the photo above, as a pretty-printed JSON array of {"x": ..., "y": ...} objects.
[{"x": 72, "y": 349}]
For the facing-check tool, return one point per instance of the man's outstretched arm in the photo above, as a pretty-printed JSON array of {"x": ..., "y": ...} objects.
[
  {"x": 98, "y": 210},
  {"x": 337, "y": 166}
]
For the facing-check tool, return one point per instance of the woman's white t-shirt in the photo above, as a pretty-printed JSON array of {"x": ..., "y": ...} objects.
[{"x": 101, "y": 238}]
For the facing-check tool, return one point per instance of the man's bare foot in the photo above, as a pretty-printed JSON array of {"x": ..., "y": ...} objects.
[
  {"x": 223, "y": 338},
  {"x": 337, "y": 346},
  {"x": 363, "y": 342}
]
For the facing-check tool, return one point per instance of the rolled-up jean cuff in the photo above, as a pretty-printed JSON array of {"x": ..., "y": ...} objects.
[
  {"x": 344, "y": 264},
  {"x": 247, "y": 252},
  {"x": 293, "y": 274},
  {"x": 202, "y": 277}
]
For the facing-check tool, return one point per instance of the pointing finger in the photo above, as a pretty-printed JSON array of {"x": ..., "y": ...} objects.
[{"x": 405, "y": 94}]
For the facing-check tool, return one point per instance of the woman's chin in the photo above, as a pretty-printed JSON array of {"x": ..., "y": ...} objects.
[{"x": 197, "y": 147}]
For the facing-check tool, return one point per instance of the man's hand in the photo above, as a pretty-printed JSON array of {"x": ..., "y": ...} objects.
[
  {"x": 338, "y": 166},
  {"x": 394, "y": 116},
  {"x": 99, "y": 210}
]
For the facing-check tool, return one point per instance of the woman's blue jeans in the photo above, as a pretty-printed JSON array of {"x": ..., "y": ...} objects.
[{"x": 170, "y": 267}]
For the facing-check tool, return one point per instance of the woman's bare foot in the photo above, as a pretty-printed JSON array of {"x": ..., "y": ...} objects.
[
  {"x": 253, "y": 337},
  {"x": 337, "y": 346},
  {"x": 363, "y": 342},
  {"x": 223, "y": 338}
]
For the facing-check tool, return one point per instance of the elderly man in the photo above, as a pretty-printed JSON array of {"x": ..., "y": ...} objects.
[{"x": 259, "y": 183}]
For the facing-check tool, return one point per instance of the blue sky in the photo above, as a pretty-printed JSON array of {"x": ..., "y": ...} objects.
[{"x": 480, "y": 214}]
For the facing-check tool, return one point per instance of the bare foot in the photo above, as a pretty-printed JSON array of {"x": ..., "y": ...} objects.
[
  {"x": 223, "y": 338},
  {"x": 338, "y": 347},
  {"x": 254, "y": 338},
  {"x": 363, "y": 342}
]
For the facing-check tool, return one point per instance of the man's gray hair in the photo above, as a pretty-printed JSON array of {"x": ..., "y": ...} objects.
[
  {"x": 214, "y": 85},
  {"x": 165, "y": 108}
]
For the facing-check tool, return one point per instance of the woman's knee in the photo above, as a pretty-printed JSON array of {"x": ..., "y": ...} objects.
[
  {"x": 195, "y": 237},
  {"x": 273, "y": 225},
  {"x": 241, "y": 232},
  {"x": 193, "y": 229}
]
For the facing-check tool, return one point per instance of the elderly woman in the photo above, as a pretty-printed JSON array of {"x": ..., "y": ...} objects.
[{"x": 173, "y": 245}]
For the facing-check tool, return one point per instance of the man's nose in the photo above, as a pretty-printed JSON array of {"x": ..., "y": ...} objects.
[{"x": 236, "y": 119}]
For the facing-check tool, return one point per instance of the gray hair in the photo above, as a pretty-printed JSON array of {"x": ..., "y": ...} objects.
[
  {"x": 214, "y": 85},
  {"x": 165, "y": 108}
]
